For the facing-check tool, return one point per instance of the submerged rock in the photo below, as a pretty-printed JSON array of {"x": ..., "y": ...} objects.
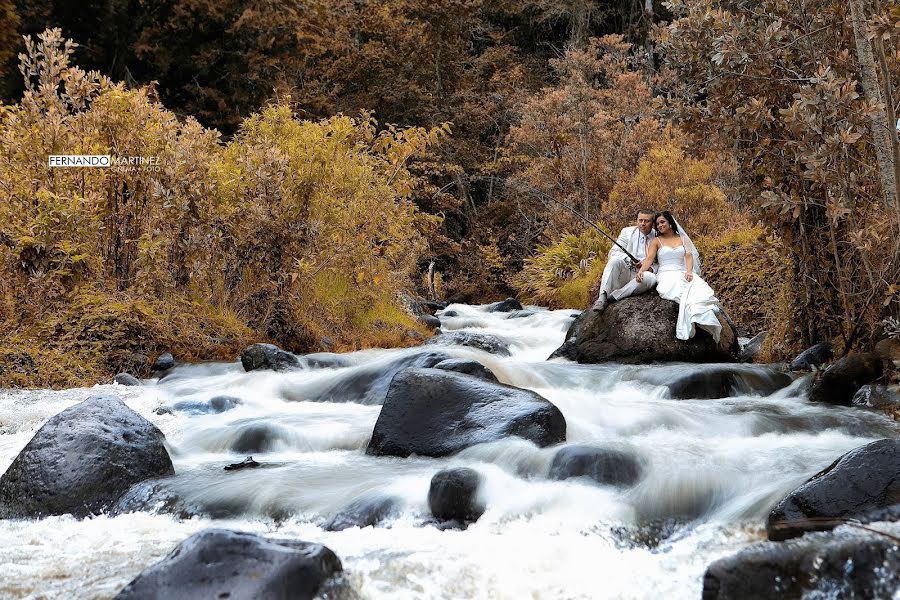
[
  {"x": 752, "y": 348},
  {"x": 848, "y": 564},
  {"x": 218, "y": 563},
  {"x": 709, "y": 382},
  {"x": 468, "y": 367},
  {"x": 841, "y": 380},
  {"x": 862, "y": 480},
  {"x": 82, "y": 460},
  {"x": 453, "y": 495},
  {"x": 481, "y": 341},
  {"x": 364, "y": 512},
  {"x": 436, "y": 413},
  {"x": 325, "y": 360},
  {"x": 813, "y": 356},
  {"x": 217, "y": 404},
  {"x": 268, "y": 356},
  {"x": 508, "y": 305},
  {"x": 640, "y": 330},
  {"x": 603, "y": 465},
  {"x": 368, "y": 384}
]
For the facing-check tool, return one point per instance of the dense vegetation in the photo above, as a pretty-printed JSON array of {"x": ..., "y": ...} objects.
[{"x": 763, "y": 125}]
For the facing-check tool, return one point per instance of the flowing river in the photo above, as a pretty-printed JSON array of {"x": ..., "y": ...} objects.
[{"x": 710, "y": 471}]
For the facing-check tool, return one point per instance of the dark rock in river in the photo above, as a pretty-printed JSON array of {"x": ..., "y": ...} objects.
[
  {"x": 877, "y": 396},
  {"x": 453, "y": 495},
  {"x": 217, "y": 563},
  {"x": 450, "y": 313},
  {"x": 845, "y": 564},
  {"x": 162, "y": 364},
  {"x": 365, "y": 512},
  {"x": 520, "y": 314},
  {"x": 127, "y": 379},
  {"x": 751, "y": 349},
  {"x": 708, "y": 382},
  {"x": 430, "y": 321},
  {"x": 865, "y": 479},
  {"x": 258, "y": 436},
  {"x": 640, "y": 330},
  {"x": 603, "y": 465},
  {"x": 480, "y": 341},
  {"x": 814, "y": 356},
  {"x": 268, "y": 356},
  {"x": 841, "y": 380},
  {"x": 508, "y": 305},
  {"x": 153, "y": 496},
  {"x": 369, "y": 383},
  {"x": 82, "y": 460},
  {"x": 469, "y": 367},
  {"x": 436, "y": 413}
]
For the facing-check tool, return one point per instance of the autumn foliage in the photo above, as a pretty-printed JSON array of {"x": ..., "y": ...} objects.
[{"x": 292, "y": 231}]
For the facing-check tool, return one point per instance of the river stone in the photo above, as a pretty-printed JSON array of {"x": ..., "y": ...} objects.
[
  {"x": 520, "y": 314},
  {"x": 481, "y": 341},
  {"x": 430, "y": 321},
  {"x": 508, "y": 305},
  {"x": 449, "y": 313},
  {"x": 218, "y": 563},
  {"x": 841, "y": 380},
  {"x": 468, "y": 367},
  {"x": 435, "y": 413},
  {"x": 165, "y": 362},
  {"x": 258, "y": 436},
  {"x": 217, "y": 404},
  {"x": 127, "y": 379},
  {"x": 603, "y": 465},
  {"x": 889, "y": 350},
  {"x": 709, "y": 382},
  {"x": 862, "y": 480},
  {"x": 368, "y": 384},
  {"x": 640, "y": 330},
  {"x": 752, "y": 348},
  {"x": 268, "y": 356},
  {"x": 365, "y": 512},
  {"x": 452, "y": 495},
  {"x": 82, "y": 460},
  {"x": 878, "y": 396},
  {"x": 325, "y": 360},
  {"x": 813, "y": 356},
  {"x": 850, "y": 563}
]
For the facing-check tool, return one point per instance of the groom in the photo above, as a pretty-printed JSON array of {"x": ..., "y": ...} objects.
[{"x": 618, "y": 279}]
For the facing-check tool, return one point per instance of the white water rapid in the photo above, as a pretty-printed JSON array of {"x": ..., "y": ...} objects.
[{"x": 711, "y": 470}]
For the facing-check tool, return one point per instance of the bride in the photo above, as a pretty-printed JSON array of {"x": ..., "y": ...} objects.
[{"x": 676, "y": 279}]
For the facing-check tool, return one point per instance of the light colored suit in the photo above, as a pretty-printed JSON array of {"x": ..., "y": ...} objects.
[{"x": 618, "y": 279}]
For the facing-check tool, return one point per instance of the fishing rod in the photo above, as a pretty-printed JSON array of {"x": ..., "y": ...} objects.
[{"x": 582, "y": 217}]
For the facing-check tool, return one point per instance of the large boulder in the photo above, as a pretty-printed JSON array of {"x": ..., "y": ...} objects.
[
  {"x": 453, "y": 495},
  {"x": 268, "y": 356},
  {"x": 879, "y": 397},
  {"x": 862, "y": 480},
  {"x": 603, "y": 465},
  {"x": 368, "y": 384},
  {"x": 436, "y": 413},
  {"x": 82, "y": 460},
  {"x": 852, "y": 563},
  {"x": 640, "y": 330},
  {"x": 218, "y": 563},
  {"x": 814, "y": 356},
  {"x": 841, "y": 380}
]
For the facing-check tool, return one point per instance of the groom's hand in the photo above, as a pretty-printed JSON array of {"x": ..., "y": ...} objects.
[{"x": 639, "y": 276}]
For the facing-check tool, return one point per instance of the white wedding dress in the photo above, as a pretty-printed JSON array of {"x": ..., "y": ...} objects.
[{"x": 697, "y": 303}]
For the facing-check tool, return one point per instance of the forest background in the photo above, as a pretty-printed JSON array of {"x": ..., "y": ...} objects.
[{"x": 315, "y": 158}]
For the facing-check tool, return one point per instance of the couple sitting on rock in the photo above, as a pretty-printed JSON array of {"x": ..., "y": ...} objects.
[{"x": 666, "y": 260}]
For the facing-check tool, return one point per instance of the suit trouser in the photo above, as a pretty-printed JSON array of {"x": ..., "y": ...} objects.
[{"x": 619, "y": 281}]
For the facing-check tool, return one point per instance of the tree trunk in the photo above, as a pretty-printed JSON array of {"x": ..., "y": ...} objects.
[{"x": 882, "y": 130}]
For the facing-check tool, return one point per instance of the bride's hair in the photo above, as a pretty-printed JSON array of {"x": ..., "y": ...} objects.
[{"x": 668, "y": 217}]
